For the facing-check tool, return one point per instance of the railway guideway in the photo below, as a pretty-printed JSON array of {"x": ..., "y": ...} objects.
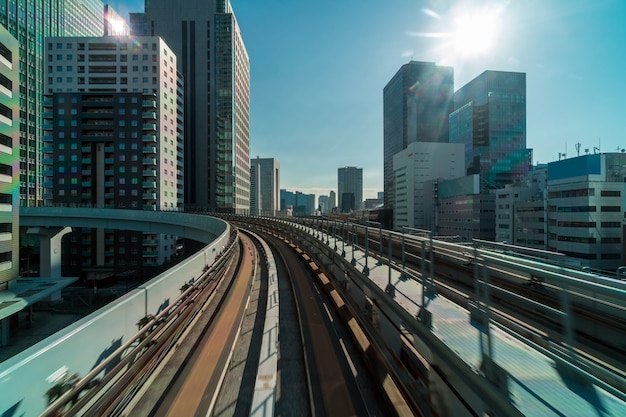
[{"x": 426, "y": 354}]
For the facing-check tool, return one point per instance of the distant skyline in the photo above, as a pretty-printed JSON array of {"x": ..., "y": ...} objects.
[{"x": 318, "y": 70}]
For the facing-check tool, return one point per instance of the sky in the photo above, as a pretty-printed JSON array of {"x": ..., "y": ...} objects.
[{"x": 318, "y": 69}]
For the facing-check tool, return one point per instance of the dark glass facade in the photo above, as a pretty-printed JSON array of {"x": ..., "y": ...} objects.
[
  {"x": 490, "y": 119},
  {"x": 416, "y": 104},
  {"x": 30, "y": 21},
  {"x": 214, "y": 62}
]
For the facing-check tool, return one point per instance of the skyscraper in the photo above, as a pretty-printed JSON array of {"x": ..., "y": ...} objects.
[
  {"x": 29, "y": 22},
  {"x": 114, "y": 139},
  {"x": 214, "y": 63},
  {"x": 350, "y": 189},
  {"x": 9, "y": 144},
  {"x": 490, "y": 119},
  {"x": 264, "y": 186},
  {"x": 416, "y": 104}
]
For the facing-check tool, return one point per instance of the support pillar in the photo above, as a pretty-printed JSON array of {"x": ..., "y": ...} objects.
[
  {"x": 50, "y": 249},
  {"x": 5, "y": 324}
]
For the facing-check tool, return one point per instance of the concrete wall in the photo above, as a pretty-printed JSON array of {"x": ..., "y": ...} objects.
[{"x": 83, "y": 345}]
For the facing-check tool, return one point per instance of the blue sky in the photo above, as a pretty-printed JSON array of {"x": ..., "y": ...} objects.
[{"x": 318, "y": 69}]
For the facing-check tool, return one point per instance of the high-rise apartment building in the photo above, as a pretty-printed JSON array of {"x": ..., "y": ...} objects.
[
  {"x": 214, "y": 63},
  {"x": 9, "y": 145},
  {"x": 489, "y": 118},
  {"x": 350, "y": 189},
  {"x": 264, "y": 186},
  {"x": 417, "y": 102},
  {"x": 113, "y": 138},
  {"x": 29, "y": 22}
]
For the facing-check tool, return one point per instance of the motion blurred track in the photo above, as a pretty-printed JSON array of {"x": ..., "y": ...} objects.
[
  {"x": 332, "y": 378},
  {"x": 195, "y": 388}
]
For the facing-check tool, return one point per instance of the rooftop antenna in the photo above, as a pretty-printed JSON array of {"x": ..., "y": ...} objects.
[{"x": 577, "y": 146}]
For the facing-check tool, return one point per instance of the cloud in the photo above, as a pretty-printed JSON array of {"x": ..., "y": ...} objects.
[
  {"x": 407, "y": 53},
  {"x": 431, "y": 13}
]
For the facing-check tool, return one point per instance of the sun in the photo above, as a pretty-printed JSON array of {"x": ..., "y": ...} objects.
[
  {"x": 474, "y": 33},
  {"x": 466, "y": 31}
]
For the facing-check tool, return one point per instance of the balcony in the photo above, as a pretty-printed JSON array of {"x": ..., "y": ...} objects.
[
  {"x": 149, "y": 126},
  {"x": 149, "y": 150},
  {"x": 149, "y": 173},
  {"x": 109, "y": 183},
  {"x": 149, "y": 196},
  {"x": 149, "y": 103},
  {"x": 85, "y": 160},
  {"x": 149, "y": 184},
  {"x": 149, "y": 138},
  {"x": 86, "y": 183},
  {"x": 149, "y": 115},
  {"x": 47, "y": 149},
  {"x": 150, "y": 242},
  {"x": 97, "y": 135},
  {"x": 149, "y": 161},
  {"x": 47, "y": 138}
]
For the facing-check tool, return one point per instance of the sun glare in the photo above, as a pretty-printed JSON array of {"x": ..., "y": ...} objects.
[
  {"x": 465, "y": 31},
  {"x": 474, "y": 33}
]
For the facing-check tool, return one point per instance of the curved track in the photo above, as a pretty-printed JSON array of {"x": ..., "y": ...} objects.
[
  {"x": 333, "y": 390},
  {"x": 194, "y": 390}
]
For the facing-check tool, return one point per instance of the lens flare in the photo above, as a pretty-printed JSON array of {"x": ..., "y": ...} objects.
[{"x": 475, "y": 33}]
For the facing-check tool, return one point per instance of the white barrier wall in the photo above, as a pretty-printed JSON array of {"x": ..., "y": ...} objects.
[{"x": 84, "y": 344}]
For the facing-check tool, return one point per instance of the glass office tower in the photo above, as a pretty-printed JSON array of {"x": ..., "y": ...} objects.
[
  {"x": 350, "y": 189},
  {"x": 416, "y": 104},
  {"x": 490, "y": 119},
  {"x": 30, "y": 21},
  {"x": 214, "y": 62}
]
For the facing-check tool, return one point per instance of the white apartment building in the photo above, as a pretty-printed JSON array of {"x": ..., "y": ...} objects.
[{"x": 113, "y": 125}]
